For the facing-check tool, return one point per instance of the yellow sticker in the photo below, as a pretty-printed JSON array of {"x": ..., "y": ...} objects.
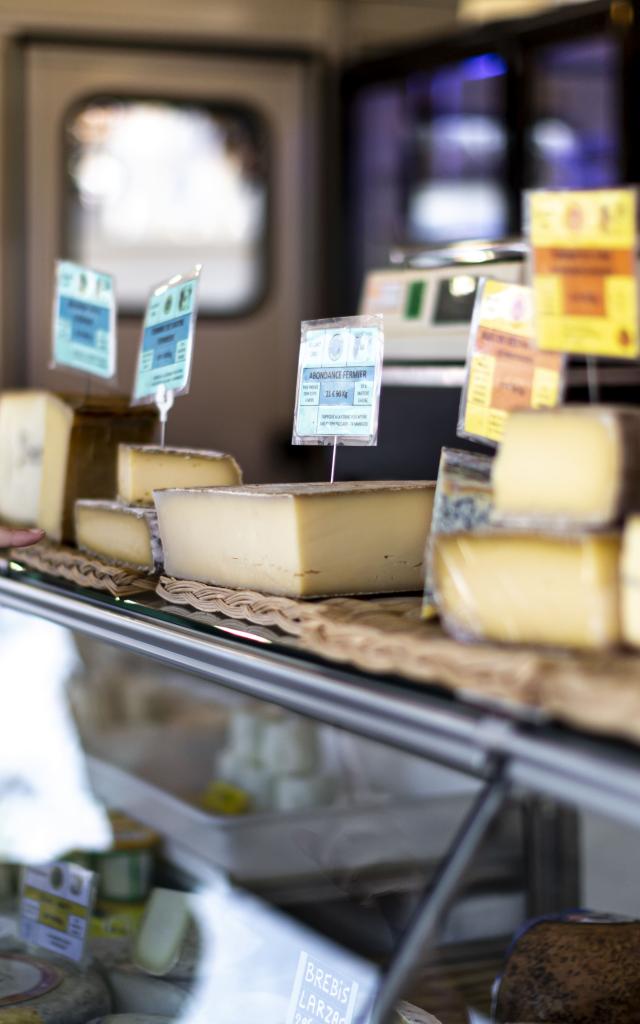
[
  {"x": 583, "y": 247},
  {"x": 505, "y": 368}
]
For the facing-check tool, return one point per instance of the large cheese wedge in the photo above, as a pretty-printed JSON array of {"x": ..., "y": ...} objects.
[
  {"x": 529, "y": 588},
  {"x": 54, "y": 450},
  {"x": 300, "y": 540},
  {"x": 577, "y": 464},
  {"x": 117, "y": 533},
  {"x": 145, "y": 468},
  {"x": 630, "y": 582}
]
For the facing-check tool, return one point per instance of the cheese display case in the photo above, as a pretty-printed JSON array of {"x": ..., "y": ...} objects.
[{"x": 280, "y": 822}]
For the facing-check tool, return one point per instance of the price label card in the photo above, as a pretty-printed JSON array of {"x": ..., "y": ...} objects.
[
  {"x": 583, "y": 251},
  {"x": 505, "y": 368},
  {"x": 84, "y": 321},
  {"x": 55, "y": 907},
  {"x": 339, "y": 380},
  {"x": 166, "y": 347}
]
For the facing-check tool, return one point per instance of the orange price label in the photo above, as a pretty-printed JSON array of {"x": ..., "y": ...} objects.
[
  {"x": 505, "y": 368},
  {"x": 583, "y": 247}
]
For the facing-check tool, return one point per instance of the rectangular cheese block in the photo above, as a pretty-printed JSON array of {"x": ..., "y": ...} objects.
[
  {"x": 529, "y": 588},
  {"x": 575, "y": 464},
  {"x": 145, "y": 468},
  {"x": 300, "y": 540},
  {"x": 120, "y": 534},
  {"x": 630, "y": 582},
  {"x": 163, "y": 932},
  {"x": 56, "y": 449}
]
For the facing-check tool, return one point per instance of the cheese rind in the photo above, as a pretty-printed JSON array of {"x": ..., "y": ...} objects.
[
  {"x": 529, "y": 588},
  {"x": 120, "y": 534},
  {"x": 299, "y": 540},
  {"x": 145, "y": 468},
  {"x": 574, "y": 464},
  {"x": 55, "y": 449}
]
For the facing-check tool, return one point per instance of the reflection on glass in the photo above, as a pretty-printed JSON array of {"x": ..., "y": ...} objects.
[
  {"x": 157, "y": 187},
  {"x": 429, "y": 159},
  {"x": 574, "y": 138}
]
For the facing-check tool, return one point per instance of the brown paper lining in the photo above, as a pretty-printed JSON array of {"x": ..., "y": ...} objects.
[
  {"x": 76, "y": 567},
  {"x": 598, "y": 692}
]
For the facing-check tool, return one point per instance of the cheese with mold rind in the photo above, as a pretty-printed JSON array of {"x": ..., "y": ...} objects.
[
  {"x": 145, "y": 468},
  {"x": 570, "y": 465},
  {"x": 55, "y": 449},
  {"x": 120, "y": 534},
  {"x": 529, "y": 588},
  {"x": 299, "y": 540}
]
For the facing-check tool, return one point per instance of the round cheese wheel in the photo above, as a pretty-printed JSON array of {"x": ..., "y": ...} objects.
[
  {"x": 132, "y": 1018},
  {"x": 578, "y": 968},
  {"x": 49, "y": 992},
  {"x": 136, "y": 992}
]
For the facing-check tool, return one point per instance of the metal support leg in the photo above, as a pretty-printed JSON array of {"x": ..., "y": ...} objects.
[{"x": 426, "y": 919}]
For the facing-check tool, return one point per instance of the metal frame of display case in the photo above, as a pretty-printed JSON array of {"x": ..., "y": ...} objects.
[{"x": 506, "y": 747}]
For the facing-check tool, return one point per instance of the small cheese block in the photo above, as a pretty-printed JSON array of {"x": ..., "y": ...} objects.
[
  {"x": 576, "y": 969},
  {"x": 299, "y": 540},
  {"x": 630, "y": 582},
  {"x": 529, "y": 588},
  {"x": 55, "y": 449},
  {"x": 145, "y": 468},
  {"x": 117, "y": 533},
  {"x": 574, "y": 464},
  {"x": 162, "y": 937}
]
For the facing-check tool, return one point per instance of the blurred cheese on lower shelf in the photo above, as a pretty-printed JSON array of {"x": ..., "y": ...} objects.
[
  {"x": 39, "y": 989},
  {"x": 165, "y": 943},
  {"x": 578, "y": 464},
  {"x": 530, "y": 588},
  {"x": 145, "y": 468},
  {"x": 299, "y": 540},
  {"x": 136, "y": 992},
  {"x": 119, "y": 533}
]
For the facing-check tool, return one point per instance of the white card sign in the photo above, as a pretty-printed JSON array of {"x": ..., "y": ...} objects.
[
  {"x": 339, "y": 381},
  {"x": 84, "y": 321},
  {"x": 55, "y": 907}
]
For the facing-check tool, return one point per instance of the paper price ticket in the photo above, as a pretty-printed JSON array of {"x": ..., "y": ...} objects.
[
  {"x": 583, "y": 251},
  {"x": 505, "y": 368}
]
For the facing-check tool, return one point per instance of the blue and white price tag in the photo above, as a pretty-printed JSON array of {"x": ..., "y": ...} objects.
[
  {"x": 164, "y": 358},
  {"x": 84, "y": 320},
  {"x": 339, "y": 378}
]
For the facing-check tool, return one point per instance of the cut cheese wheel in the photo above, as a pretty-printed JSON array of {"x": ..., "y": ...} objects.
[
  {"x": 145, "y": 468},
  {"x": 118, "y": 533},
  {"x": 48, "y": 992},
  {"x": 54, "y": 450},
  {"x": 529, "y": 588},
  {"x": 163, "y": 937},
  {"x": 573, "y": 464},
  {"x": 299, "y": 540},
  {"x": 630, "y": 582}
]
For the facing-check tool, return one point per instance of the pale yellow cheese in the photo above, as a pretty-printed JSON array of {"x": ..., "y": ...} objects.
[
  {"x": 302, "y": 540},
  {"x": 54, "y": 450},
  {"x": 145, "y": 468},
  {"x": 630, "y": 582},
  {"x": 119, "y": 533},
  {"x": 529, "y": 588},
  {"x": 574, "y": 464}
]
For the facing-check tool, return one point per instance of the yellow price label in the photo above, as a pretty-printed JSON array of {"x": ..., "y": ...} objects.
[{"x": 583, "y": 248}]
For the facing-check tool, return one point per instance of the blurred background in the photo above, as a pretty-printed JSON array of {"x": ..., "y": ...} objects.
[{"x": 290, "y": 146}]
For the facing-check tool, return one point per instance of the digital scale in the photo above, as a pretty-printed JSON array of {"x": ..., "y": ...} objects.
[{"x": 427, "y": 297}]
